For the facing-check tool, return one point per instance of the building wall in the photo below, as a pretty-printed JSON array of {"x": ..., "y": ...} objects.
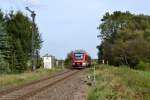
[{"x": 47, "y": 62}]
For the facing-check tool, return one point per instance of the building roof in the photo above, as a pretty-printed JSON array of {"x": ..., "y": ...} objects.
[{"x": 48, "y": 55}]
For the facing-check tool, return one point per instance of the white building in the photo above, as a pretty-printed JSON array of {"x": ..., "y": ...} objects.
[{"x": 49, "y": 61}]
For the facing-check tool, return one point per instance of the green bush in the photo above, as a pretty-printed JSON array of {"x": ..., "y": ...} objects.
[
  {"x": 143, "y": 66},
  {"x": 4, "y": 66}
]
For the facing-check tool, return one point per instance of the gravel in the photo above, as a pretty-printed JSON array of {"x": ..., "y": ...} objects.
[{"x": 73, "y": 88}]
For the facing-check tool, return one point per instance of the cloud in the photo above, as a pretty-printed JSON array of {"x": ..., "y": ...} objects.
[{"x": 32, "y": 2}]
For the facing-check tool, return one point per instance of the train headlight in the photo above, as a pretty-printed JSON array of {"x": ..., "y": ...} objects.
[{"x": 83, "y": 64}]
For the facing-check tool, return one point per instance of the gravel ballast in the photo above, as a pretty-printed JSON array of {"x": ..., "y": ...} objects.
[{"x": 72, "y": 88}]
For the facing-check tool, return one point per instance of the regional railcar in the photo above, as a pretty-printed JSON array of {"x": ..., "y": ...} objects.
[{"x": 81, "y": 59}]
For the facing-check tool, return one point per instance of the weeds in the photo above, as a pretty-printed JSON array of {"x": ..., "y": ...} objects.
[
  {"x": 10, "y": 80},
  {"x": 120, "y": 83}
]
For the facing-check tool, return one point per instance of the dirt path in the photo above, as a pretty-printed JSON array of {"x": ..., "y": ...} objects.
[{"x": 73, "y": 88}]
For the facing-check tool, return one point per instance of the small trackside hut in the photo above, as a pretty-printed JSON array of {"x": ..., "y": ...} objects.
[
  {"x": 49, "y": 61},
  {"x": 81, "y": 59}
]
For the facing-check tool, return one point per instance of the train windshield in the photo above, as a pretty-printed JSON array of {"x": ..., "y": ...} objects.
[{"x": 78, "y": 56}]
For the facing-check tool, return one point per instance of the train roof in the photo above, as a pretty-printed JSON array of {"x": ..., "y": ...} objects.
[{"x": 79, "y": 51}]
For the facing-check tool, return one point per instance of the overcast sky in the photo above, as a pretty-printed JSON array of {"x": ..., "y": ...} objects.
[{"x": 67, "y": 25}]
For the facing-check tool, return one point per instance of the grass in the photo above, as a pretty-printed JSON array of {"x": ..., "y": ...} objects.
[
  {"x": 120, "y": 83},
  {"x": 11, "y": 80}
]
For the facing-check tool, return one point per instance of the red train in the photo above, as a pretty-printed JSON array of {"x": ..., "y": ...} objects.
[{"x": 81, "y": 59}]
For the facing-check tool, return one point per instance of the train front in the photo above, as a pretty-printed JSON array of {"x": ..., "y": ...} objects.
[{"x": 79, "y": 59}]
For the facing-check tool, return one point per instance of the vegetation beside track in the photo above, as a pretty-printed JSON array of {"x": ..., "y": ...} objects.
[
  {"x": 120, "y": 83},
  {"x": 125, "y": 39},
  {"x": 12, "y": 80}
]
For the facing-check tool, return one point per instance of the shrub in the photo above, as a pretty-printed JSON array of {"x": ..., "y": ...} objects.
[
  {"x": 143, "y": 66},
  {"x": 4, "y": 66}
]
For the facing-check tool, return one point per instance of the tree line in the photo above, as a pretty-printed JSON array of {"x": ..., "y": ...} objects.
[
  {"x": 125, "y": 39},
  {"x": 16, "y": 42}
]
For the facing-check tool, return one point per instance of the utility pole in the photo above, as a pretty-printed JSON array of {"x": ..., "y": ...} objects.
[
  {"x": 33, "y": 36},
  {"x": 94, "y": 74}
]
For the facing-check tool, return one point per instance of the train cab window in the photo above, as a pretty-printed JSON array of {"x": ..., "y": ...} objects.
[{"x": 78, "y": 56}]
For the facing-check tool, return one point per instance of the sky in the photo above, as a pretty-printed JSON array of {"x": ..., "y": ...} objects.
[{"x": 67, "y": 25}]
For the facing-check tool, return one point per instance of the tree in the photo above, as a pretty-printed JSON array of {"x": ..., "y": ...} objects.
[
  {"x": 16, "y": 42},
  {"x": 19, "y": 28},
  {"x": 125, "y": 38},
  {"x": 68, "y": 60},
  {"x": 4, "y": 46}
]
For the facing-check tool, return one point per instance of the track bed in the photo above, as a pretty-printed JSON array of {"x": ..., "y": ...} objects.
[{"x": 36, "y": 88}]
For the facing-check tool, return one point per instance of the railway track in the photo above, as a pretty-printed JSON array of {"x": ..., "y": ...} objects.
[{"x": 28, "y": 90}]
